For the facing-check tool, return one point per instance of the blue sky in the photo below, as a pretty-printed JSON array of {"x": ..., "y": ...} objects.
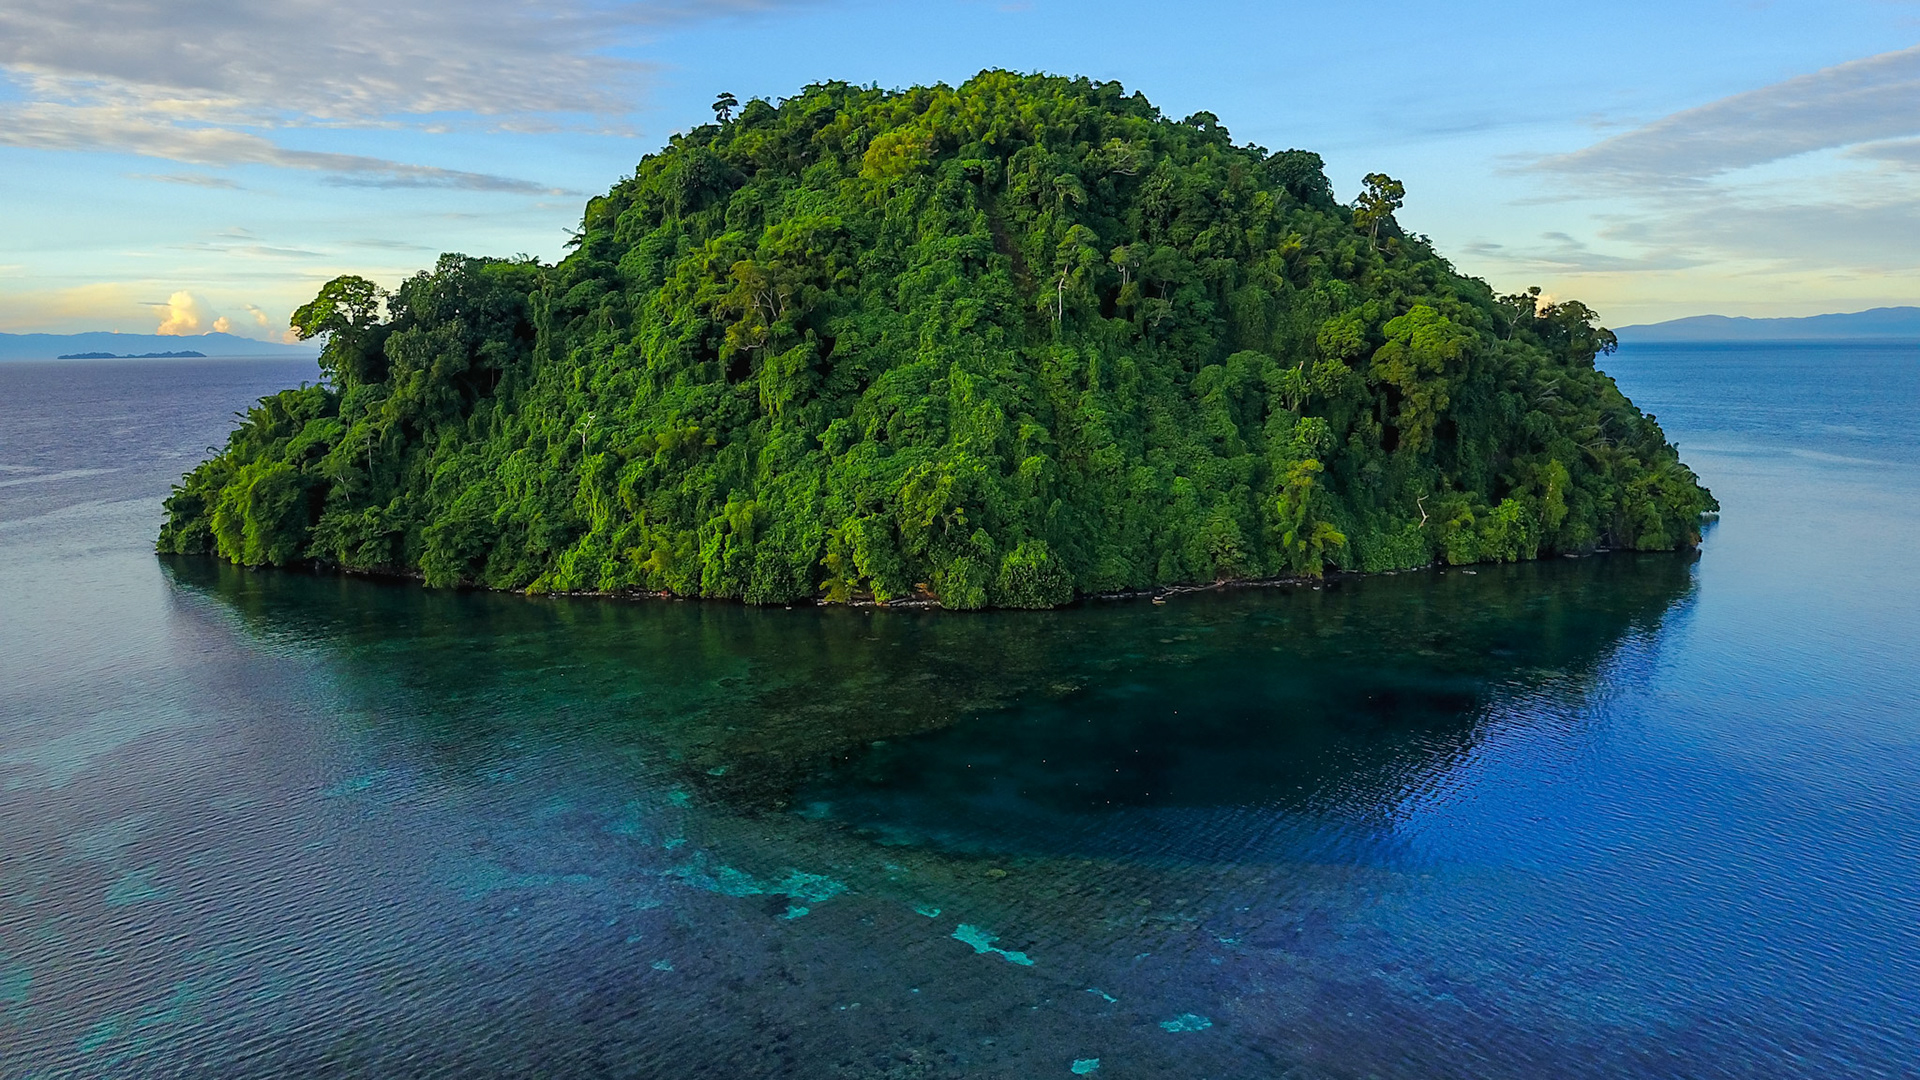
[{"x": 192, "y": 165}]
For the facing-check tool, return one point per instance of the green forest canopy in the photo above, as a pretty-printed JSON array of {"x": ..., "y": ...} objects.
[{"x": 998, "y": 344}]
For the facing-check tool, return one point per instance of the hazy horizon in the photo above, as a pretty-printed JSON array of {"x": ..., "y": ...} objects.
[
  {"x": 195, "y": 170},
  {"x": 315, "y": 346}
]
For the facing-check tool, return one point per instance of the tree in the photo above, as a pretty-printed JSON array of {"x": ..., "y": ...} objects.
[
  {"x": 1304, "y": 176},
  {"x": 1306, "y": 539},
  {"x": 347, "y": 310},
  {"x": 1074, "y": 259},
  {"x": 1422, "y": 358},
  {"x": 347, "y": 304},
  {"x": 723, "y": 107},
  {"x": 1379, "y": 198}
]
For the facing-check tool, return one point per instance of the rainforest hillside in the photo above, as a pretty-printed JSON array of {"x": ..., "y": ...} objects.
[{"x": 997, "y": 344}]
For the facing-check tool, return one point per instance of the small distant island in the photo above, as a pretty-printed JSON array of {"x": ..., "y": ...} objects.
[
  {"x": 186, "y": 354},
  {"x": 996, "y": 345},
  {"x": 112, "y": 345}
]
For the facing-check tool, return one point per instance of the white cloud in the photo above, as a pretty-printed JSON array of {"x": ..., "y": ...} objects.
[
  {"x": 1559, "y": 252},
  {"x": 182, "y": 315},
  {"x": 128, "y": 307},
  {"x": 1860, "y": 234},
  {"x": 1860, "y": 101},
  {"x": 1901, "y": 152},
  {"x": 352, "y": 60},
  {"x": 1812, "y": 183},
  {"x": 126, "y": 129},
  {"x": 202, "y": 82},
  {"x": 190, "y": 179}
]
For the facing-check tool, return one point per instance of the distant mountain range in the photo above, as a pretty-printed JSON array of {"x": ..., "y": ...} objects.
[
  {"x": 53, "y": 346},
  {"x": 188, "y": 354},
  {"x": 1887, "y": 323}
]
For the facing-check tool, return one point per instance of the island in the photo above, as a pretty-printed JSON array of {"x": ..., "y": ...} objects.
[
  {"x": 1003, "y": 344},
  {"x": 185, "y": 354}
]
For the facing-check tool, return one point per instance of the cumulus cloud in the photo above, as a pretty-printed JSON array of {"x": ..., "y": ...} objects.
[
  {"x": 1867, "y": 100},
  {"x": 183, "y": 315}
]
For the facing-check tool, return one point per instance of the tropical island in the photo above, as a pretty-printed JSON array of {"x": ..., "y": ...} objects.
[
  {"x": 183, "y": 354},
  {"x": 995, "y": 345}
]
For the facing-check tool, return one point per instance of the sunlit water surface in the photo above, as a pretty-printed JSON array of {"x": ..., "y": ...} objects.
[{"x": 1630, "y": 815}]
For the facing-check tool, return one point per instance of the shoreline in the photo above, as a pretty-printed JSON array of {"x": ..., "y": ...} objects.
[{"x": 1157, "y": 594}]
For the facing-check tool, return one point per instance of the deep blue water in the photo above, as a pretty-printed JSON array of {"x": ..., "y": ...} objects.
[{"x": 1623, "y": 816}]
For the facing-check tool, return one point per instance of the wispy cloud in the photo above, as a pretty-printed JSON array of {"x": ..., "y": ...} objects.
[
  {"x": 1812, "y": 176},
  {"x": 1867, "y": 100},
  {"x": 257, "y": 251},
  {"x": 123, "y": 129},
  {"x": 239, "y": 241},
  {"x": 1562, "y": 253},
  {"x": 1853, "y": 235},
  {"x": 353, "y": 60},
  {"x": 1902, "y": 152},
  {"x": 207, "y": 83},
  {"x": 382, "y": 244},
  {"x": 190, "y": 179}
]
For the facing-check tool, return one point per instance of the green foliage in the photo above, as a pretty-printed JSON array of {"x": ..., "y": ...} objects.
[
  {"x": 999, "y": 344},
  {"x": 1380, "y": 196},
  {"x": 347, "y": 310},
  {"x": 1030, "y": 577}
]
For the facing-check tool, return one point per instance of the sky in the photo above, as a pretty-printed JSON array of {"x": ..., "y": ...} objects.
[{"x": 188, "y": 165}]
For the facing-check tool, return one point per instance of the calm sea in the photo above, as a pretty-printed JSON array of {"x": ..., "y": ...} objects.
[{"x": 1623, "y": 816}]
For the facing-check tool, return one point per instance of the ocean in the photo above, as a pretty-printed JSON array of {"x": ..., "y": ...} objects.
[{"x": 1630, "y": 815}]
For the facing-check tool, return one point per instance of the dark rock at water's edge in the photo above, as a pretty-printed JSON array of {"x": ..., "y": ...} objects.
[{"x": 998, "y": 345}]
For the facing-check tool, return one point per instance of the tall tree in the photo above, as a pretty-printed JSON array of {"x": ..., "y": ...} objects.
[{"x": 1380, "y": 196}]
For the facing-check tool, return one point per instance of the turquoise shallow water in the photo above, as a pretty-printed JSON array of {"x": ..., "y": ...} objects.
[{"x": 1630, "y": 815}]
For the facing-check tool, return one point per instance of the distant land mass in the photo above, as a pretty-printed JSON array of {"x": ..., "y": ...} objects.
[
  {"x": 1887, "y": 323},
  {"x": 183, "y": 354},
  {"x": 100, "y": 345}
]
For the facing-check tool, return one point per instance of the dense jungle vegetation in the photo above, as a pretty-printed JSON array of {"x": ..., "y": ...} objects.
[{"x": 999, "y": 344}]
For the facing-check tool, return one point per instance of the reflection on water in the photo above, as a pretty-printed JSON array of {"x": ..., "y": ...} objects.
[
  {"x": 1632, "y": 815},
  {"x": 1210, "y": 728},
  {"x": 988, "y": 837},
  {"x": 1197, "y": 731},
  {"x": 1248, "y": 725}
]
